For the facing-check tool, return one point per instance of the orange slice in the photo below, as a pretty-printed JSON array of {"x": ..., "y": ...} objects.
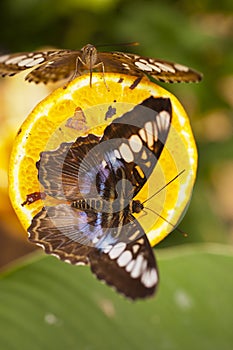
[{"x": 53, "y": 121}]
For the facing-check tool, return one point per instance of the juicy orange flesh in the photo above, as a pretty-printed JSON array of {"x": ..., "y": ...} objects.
[{"x": 46, "y": 128}]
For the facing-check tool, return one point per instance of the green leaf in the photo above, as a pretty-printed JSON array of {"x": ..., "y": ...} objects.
[{"x": 47, "y": 304}]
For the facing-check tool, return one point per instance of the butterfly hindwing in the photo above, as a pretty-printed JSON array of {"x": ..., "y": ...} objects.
[
  {"x": 66, "y": 232},
  {"x": 130, "y": 266},
  {"x": 53, "y": 228}
]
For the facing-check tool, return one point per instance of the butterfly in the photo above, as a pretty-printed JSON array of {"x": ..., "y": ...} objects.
[
  {"x": 55, "y": 65},
  {"x": 95, "y": 180}
]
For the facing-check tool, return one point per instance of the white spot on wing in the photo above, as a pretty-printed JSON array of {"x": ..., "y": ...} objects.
[
  {"x": 181, "y": 68},
  {"x": 136, "y": 271},
  {"x": 49, "y": 63},
  {"x": 104, "y": 163},
  {"x": 135, "y": 143},
  {"x": 126, "y": 66},
  {"x": 165, "y": 67},
  {"x": 117, "y": 154},
  {"x": 166, "y": 117},
  {"x": 31, "y": 62},
  {"x": 67, "y": 261},
  {"x": 149, "y": 132},
  {"x": 130, "y": 266},
  {"x": 135, "y": 248},
  {"x": 124, "y": 258},
  {"x": 142, "y": 133},
  {"x": 154, "y": 67},
  {"x": 149, "y": 278},
  {"x": 163, "y": 120},
  {"x": 148, "y": 65},
  {"x": 4, "y": 58},
  {"x": 42, "y": 246},
  {"x": 143, "y": 61},
  {"x": 117, "y": 250},
  {"x": 155, "y": 136},
  {"x": 134, "y": 235},
  {"x": 144, "y": 155},
  {"x": 143, "y": 66},
  {"x": 80, "y": 263},
  {"x": 107, "y": 249},
  {"x": 126, "y": 153},
  {"x": 15, "y": 60},
  {"x": 126, "y": 56}
]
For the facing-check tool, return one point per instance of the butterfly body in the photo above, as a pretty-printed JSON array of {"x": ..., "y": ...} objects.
[
  {"x": 54, "y": 65},
  {"x": 135, "y": 206}
]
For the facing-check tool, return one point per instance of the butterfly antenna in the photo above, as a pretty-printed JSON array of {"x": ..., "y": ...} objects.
[
  {"x": 162, "y": 188},
  {"x": 134, "y": 43},
  {"x": 163, "y": 218}
]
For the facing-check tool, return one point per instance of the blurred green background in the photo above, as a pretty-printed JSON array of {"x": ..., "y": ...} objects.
[{"x": 46, "y": 304}]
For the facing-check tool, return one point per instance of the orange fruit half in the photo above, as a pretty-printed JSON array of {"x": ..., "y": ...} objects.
[{"x": 81, "y": 109}]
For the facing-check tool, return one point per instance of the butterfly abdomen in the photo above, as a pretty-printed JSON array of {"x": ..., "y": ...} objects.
[{"x": 88, "y": 204}]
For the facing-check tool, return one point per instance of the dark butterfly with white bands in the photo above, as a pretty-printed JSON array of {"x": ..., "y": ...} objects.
[
  {"x": 55, "y": 65},
  {"x": 96, "y": 179}
]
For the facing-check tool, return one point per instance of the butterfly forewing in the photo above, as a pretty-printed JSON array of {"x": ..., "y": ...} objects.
[
  {"x": 55, "y": 65},
  {"x": 162, "y": 70},
  {"x": 139, "y": 137},
  {"x": 56, "y": 69},
  {"x": 15, "y": 63}
]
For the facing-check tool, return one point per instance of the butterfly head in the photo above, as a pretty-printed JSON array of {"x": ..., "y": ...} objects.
[
  {"x": 89, "y": 55},
  {"x": 137, "y": 206}
]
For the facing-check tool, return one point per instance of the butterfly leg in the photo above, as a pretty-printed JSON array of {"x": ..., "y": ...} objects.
[
  {"x": 76, "y": 72},
  {"x": 136, "y": 82},
  {"x": 101, "y": 64}
]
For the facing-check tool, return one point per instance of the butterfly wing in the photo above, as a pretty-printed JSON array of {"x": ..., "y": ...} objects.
[
  {"x": 56, "y": 69},
  {"x": 15, "y": 63},
  {"x": 64, "y": 232},
  {"x": 137, "y": 139},
  {"x": 70, "y": 235},
  {"x": 130, "y": 266},
  {"x": 162, "y": 70},
  {"x": 59, "y": 170}
]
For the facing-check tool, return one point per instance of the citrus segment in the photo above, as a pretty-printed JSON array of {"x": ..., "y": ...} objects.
[{"x": 46, "y": 128}]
